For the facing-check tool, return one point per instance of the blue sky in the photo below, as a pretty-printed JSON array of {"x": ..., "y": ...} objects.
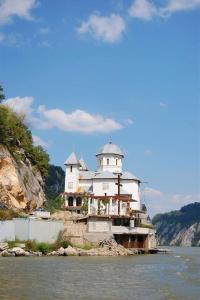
[{"x": 83, "y": 71}]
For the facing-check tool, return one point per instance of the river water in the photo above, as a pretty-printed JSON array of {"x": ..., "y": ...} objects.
[{"x": 146, "y": 277}]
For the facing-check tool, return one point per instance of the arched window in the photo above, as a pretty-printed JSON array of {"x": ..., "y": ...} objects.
[
  {"x": 70, "y": 201},
  {"x": 78, "y": 201},
  {"x": 107, "y": 161},
  {"x": 71, "y": 168},
  {"x": 116, "y": 162}
]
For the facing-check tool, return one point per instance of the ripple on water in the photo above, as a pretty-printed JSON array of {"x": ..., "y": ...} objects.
[{"x": 145, "y": 277}]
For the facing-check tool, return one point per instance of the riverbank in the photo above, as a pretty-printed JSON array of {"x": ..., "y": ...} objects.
[{"x": 104, "y": 248}]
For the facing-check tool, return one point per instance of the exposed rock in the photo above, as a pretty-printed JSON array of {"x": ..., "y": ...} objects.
[
  {"x": 21, "y": 185},
  {"x": 6, "y": 253},
  {"x": 3, "y": 246},
  {"x": 179, "y": 228},
  {"x": 17, "y": 251},
  {"x": 70, "y": 251},
  {"x": 60, "y": 251}
]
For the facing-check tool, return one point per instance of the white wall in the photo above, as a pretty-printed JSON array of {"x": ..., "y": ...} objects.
[
  {"x": 99, "y": 226},
  {"x": 112, "y": 167},
  {"x": 98, "y": 187},
  {"x": 132, "y": 187},
  {"x": 71, "y": 177},
  {"x": 40, "y": 230},
  {"x": 7, "y": 231}
]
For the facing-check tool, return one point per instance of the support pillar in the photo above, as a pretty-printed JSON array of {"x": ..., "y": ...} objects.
[
  {"x": 120, "y": 208},
  {"x": 89, "y": 208},
  {"x": 110, "y": 207}
]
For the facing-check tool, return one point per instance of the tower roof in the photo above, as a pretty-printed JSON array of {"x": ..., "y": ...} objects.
[
  {"x": 83, "y": 164},
  {"x": 72, "y": 160},
  {"x": 110, "y": 148}
]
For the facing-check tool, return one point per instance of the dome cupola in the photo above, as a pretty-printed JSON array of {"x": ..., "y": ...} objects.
[{"x": 109, "y": 158}]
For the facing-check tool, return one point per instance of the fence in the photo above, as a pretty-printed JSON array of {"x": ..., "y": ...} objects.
[{"x": 30, "y": 229}]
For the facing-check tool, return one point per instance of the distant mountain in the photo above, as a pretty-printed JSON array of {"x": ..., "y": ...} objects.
[
  {"x": 54, "y": 182},
  {"x": 179, "y": 228}
]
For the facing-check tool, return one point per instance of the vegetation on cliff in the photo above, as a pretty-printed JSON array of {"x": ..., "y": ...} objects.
[
  {"x": 181, "y": 227},
  {"x": 54, "y": 182},
  {"x": 15, "y": 135}
]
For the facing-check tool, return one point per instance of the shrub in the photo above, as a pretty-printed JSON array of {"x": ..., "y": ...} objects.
[
  {"x": 15, "y": 135},
  {"x": 8, "y": 214}
]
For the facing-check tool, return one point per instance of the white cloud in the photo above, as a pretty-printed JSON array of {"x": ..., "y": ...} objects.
[
  {"x": 159, "y": 202},
  {"x": 78, "y": 121},
  {"x": 75, "y": 121},
  {"x": 21, "y": 105},
  {"x": 163, "y": 104},
  {"x": 106, "y": 28},
  {"x": 44, "y": 30},
  {"x": 38, "y": 141},
  {"x": 19, "y": 8},
  {"x": 146, "y": 9},
  {"x": 180, "y": 5},
  {"x": 128, "y": 121},
  {"x": 143, "y": 9},
  {"x": 148, "y": 152}
]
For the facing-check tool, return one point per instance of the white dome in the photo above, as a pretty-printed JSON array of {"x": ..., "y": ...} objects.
[{"x": 110, "y": 148}]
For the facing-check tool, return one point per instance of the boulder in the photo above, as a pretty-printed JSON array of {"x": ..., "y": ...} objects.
[
  {"x": 17, "y": 251},
  {"x": 53, "y": 253},
  {"x": 21, "y": 245},
  {"x": 60, "y": 251},
  {"x": 6, "y": 253},
  {"x": 70, "y": 251}
]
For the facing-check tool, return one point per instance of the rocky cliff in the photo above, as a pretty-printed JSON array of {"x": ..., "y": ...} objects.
[
  {"x": 21, "y": 184},
  {"x": 179, "y": 228},
  {"x": 54, "y": 182}
]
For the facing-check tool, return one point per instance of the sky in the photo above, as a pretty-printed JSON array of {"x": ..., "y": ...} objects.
[{"x": 85, "y": 72}]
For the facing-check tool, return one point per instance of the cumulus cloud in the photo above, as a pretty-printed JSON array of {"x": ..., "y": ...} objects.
[
  {"x": 78, "y": 121},
  {"x": 21, "y": 105},
  {"x": 159, "y": 202},
  {"x": 18, "y": 8},
  {"x": 106, "y": 28},
  {"x": 180, "y": 5},
  {"x": 143, "y": 9},
  {"x": 38, "y": 141},
  {"x": 75, "y": 121},
  {"x": 146, "y": 9}
]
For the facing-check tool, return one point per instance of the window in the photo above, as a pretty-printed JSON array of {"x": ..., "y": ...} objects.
[
  {"x": 71, "y": 168},
  {"x": 105, "y": 186},
  {"x": 107, "y": 161},
  {"x": 70, "y": 185},
  {"x": 116, "y": 162}
]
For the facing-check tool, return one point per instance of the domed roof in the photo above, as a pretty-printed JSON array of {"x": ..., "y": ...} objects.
[{"x": 110, "y": 148}]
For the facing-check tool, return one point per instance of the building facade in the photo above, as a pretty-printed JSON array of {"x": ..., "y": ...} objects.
[
  {"x": 108, "y": 182},
  {"x": 109, "y": 199}
]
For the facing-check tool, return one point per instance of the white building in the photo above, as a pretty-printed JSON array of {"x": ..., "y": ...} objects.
[
  {"x": 116, "y": 189},
  {"x": 110, "y": 198}
]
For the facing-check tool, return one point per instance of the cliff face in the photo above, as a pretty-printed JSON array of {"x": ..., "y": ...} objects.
[
  {"x": 179, "y": 228},
  {"x": 54, "y": 182},
  {"x": 21, "y": 184}
]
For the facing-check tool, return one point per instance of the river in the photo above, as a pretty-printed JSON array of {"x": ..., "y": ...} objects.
[{"x": 175, "y": 275}]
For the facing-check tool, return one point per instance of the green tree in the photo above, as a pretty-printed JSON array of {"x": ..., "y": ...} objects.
[{"x": 2, "y": 96}]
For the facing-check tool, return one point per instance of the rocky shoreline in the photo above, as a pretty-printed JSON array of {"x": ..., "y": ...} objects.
[{"x": 104, "y": 248}]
